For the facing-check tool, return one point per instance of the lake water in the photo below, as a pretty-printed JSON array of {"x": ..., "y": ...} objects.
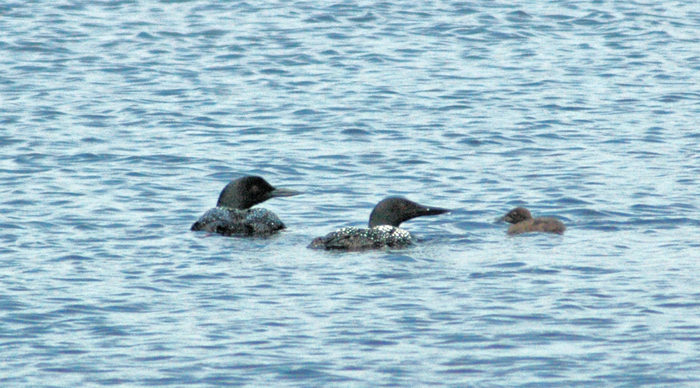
[{"x": 121, "y": 121}]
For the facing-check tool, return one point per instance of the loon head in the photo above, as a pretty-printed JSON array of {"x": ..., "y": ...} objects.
[
  {"x": 394, "y": 210},
  {"x": 248, "y": 191},
  {"x": 516, "y": 215}
]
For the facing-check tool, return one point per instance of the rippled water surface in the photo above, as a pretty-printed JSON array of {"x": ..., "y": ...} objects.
[{"x": 121, "y": 121}]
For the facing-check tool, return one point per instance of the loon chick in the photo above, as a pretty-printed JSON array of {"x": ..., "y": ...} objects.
[
  {"x": 232, "y": 215},
  {"x": 524, "y": 223},
  {"x": 383, "y": 229}
]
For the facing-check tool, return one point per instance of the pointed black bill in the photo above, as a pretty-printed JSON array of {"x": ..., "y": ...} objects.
[
  {"x": 431, "y": 211},
  {"x": 280, "y": 192}
]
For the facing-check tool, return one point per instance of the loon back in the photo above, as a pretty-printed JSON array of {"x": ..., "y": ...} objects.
[
  {"x": 245, "y": 223},
  {"x": 357, "y": 239}
]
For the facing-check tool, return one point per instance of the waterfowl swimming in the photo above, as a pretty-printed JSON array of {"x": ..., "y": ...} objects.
[
  {"x": 524, "y": 223},
  {"x": 383, "y": 229},
  {"x": 232, "y": 215}
]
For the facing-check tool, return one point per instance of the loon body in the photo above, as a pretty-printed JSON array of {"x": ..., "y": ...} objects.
[
  {"x": 524, "y": 223},
  {"x": 383, "y": 229},
  {"x": 232, "y": 215}
]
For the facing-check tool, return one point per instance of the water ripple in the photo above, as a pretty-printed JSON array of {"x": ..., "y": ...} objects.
[{"x": 119, "y": 131}]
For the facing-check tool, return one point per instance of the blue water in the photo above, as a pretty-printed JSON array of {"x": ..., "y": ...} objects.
[{"x": 121, "y": 121}]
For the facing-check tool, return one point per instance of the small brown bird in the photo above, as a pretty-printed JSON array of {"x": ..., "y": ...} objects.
[{"x": 524, "y": 223}]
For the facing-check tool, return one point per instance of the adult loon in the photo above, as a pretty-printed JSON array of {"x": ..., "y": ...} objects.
[
  {"x": 232, "y": 215},
  {"x": 383, "y": 229},
  {"x": 524, "y": 223}
]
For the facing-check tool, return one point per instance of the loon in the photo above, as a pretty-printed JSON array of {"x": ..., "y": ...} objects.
[
  {"x": 383, "y": 229},
  {"x": 524, "y": 223},
  {"x": 232, "y": 215}
]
